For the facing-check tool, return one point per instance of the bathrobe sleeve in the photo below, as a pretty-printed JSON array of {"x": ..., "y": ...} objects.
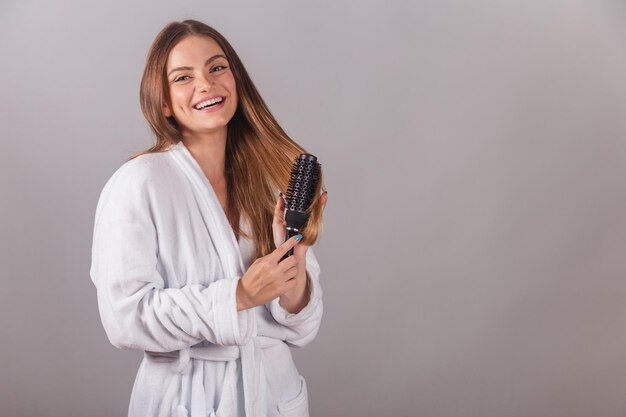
[
  {"x": 302, "y": 327},
  {"x": 136, "y": 309}
]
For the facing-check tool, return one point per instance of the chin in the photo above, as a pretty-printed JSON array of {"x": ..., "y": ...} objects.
[{"x": 213, "y": 126}]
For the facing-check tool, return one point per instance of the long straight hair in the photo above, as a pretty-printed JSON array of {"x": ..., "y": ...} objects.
[{"x": 259, "y": 154}]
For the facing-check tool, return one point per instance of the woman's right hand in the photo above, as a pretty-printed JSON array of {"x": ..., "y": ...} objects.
[{"x": 268, "y": 277}]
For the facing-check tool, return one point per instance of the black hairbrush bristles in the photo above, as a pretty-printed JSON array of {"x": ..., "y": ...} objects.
[
  {"x": 303, "y": 184},
  {"x": 305, "y": 175}
]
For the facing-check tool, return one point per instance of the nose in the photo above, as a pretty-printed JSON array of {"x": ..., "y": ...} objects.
[{"x": 204, "y": 82}]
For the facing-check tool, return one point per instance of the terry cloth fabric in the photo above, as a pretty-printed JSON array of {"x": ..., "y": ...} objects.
[{"x": 166, "y": 264}]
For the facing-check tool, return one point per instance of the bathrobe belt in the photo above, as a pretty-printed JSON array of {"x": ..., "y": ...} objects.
[{"x": 251, "y": 370}]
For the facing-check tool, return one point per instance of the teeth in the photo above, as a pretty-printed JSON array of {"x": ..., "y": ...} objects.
[{"x": 203, "y": 104}]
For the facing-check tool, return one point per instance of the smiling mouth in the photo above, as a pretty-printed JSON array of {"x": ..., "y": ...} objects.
[{"x": 210, "y": 103}]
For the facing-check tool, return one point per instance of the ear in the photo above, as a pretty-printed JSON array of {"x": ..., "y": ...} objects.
[{"x": 166, "y": 110}]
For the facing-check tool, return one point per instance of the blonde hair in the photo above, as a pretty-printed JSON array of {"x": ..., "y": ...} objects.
[{"x": 259, "y": 154}]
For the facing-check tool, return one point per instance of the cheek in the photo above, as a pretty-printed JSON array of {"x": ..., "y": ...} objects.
[
  {"x": 179, "y": 97},
  {"x": 232, "y": 87},
  {"x": 235, "y": 99}
]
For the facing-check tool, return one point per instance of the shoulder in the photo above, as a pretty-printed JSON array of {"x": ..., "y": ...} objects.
[
  {"x": 145, "y": 173},
  {"x": 142, "y": 169},
  {"x": 135, "y": 182}
]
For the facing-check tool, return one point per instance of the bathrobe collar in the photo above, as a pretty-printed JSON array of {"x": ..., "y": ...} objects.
[{"x": 217, "y": 223}]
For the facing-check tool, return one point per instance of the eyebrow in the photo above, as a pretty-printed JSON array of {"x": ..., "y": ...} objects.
[{"x": 207, "y": 62}]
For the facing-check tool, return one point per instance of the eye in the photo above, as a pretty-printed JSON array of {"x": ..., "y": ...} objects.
[
  {"x": 218, "y": 68},
  {"x": 181, "y": 78}
]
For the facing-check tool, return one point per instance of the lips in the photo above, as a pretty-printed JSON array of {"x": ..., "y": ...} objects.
[
  {"x": 209, "y": 102},
  {"x": 212, "y": 108}
]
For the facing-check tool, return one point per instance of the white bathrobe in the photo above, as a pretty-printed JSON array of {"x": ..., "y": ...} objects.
[{"x": 166, "y": 263}]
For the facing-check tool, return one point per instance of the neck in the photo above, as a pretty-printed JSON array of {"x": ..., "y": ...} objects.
[{"x": 209, "y": 150}]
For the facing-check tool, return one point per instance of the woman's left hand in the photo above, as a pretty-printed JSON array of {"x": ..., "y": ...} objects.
[{"x": 293, "y": 298}]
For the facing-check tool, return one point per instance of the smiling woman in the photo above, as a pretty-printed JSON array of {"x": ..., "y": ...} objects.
[
  {"x": 191, "y": 75},
  {"x": 189, "y": 240}
]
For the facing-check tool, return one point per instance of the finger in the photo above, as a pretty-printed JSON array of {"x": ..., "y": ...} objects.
[
  {"x": 288, "y": 262},
  {"x": 300, "y": 251},
  {"x": 290, "y": 274},
  {"x": 278, "y": 224},
  {"x": 279, "y": 209},
  {"x": 324, "y": 199},
  {"x": 290, "y": 285},
  {"x": 284, "y": 248}
]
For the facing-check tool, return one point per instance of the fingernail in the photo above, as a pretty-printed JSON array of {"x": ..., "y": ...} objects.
[{"x": 298, "y": 237}]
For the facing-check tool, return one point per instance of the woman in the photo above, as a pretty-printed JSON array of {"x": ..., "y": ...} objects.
[{"x": 188, "y": 239}]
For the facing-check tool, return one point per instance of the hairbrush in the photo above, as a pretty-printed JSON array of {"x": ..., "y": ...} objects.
[{"x": 303, "y": 184}]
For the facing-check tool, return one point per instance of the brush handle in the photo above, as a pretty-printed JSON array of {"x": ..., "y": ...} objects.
[{"x": 290, "y": 233}]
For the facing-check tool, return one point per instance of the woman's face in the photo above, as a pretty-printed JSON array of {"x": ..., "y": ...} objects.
[{"x": 203, "y": 97}]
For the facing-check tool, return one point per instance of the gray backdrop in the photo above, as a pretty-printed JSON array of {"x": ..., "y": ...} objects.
[{"x": 475, "y": 156}]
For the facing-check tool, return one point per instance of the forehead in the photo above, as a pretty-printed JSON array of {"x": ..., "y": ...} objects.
[{"x": 193, "y": 51}]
